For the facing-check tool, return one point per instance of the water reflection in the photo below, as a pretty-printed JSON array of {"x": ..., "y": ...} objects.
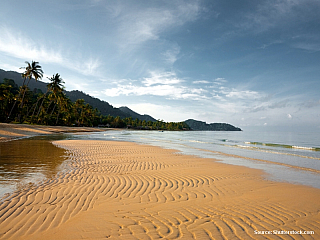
[{"x": 27, "y": 161}]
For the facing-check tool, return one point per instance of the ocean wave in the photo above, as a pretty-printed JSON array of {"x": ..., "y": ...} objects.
[
  {"x": 244, "y": 146},
  {"x": 283, "y": 146},
  {"x": 196, "y": 141},
  {"x": 270, "y": 151},
  {"x": 305, "y": 148}
]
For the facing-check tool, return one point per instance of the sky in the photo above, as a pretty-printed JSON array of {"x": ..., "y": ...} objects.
[{"x": 247, "y": 63}]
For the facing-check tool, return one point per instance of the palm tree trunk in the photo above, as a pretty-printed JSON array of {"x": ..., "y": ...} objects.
[
  {"x": 15, "y": 102},
  {"x": 54, "y": 107},
  {"x": 24, "y": 92},
  {"x": 35, "y": 107},
  {"x": 58, "y": 116},
  {"x": 42, "y": 102},
  {"x": 49, "y": 106}
]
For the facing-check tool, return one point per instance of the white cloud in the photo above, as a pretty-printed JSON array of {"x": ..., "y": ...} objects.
[
  {"x": 159, "y": 90},
  {"x": 161, "y": 78},
  {"x": 171, "y": 55},
  {"x": 167, "y": 91},
  {"x": 289, "y": 115},
  {"x": 220, "y": 81},
  {"x": 164, "y": 84},
  {"x": 200, "y": 81},
  {"x": 161, "y": 111},
  {"x": 17, "y": 45},
  {"x": 86, "y": 67},
  {"x": 247, "y": 94},
  {"x": 279, "y": 14},
  {"x": 9, "y": 67},
  {"x": 270, "y": 14},
  {"x": 264, "y": 46},
  {"x": 312, "y": 47},
  {"x": 309, "y": 104},
  {"x": 138, "y": 25}
]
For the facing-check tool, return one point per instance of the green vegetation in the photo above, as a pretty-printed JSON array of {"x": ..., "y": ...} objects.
[
  {"x": 54, "y": 107},
  {"x": 131, "y": 123},
  {"x": 203, "y": 126}
]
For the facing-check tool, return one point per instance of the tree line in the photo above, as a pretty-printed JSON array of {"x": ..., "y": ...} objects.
[{"x": 22, "y": 105}]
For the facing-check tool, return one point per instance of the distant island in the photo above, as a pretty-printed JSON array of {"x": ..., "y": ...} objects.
[
  {"x": 50, "y": 104},
  {"x": 203, "y": 126}
]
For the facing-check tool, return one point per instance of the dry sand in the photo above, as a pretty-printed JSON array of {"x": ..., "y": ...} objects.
[{"x": 120, "y": 190}]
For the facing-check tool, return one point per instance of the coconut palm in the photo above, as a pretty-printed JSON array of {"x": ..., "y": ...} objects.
[
  {"x": 56, "y": 84},
  {"x": 55, "y": 87},
  {"x": 66, "y": 110},
  {"x": 62, "y": 102},
  {"x": 32, "y": 70}
]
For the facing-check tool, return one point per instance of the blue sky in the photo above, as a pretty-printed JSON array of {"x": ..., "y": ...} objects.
[{"x": 248, "y": 63}]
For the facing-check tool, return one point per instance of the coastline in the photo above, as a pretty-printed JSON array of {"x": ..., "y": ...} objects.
[
  {"x": 124, "y": 190},
  {"x": 9, "y": 131}
]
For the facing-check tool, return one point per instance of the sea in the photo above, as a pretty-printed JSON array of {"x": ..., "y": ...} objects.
[{"x": 286, "y": 156}]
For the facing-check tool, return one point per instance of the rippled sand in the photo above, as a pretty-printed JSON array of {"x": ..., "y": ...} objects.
[{"x": 120, "y": 190}]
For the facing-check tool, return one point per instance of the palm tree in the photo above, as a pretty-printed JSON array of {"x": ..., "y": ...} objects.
[
  {"x": 66, "y": 110},
  {"x": 78, "y": 109},
  {"x": 34, "y": 107},
  {"x": 62, "y": 103},
  {"x": 56, "y": 86},
  {"x": 32, "y": 70}
]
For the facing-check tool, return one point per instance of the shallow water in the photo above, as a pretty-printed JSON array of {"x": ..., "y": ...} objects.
[
  {"x": 284, "y": 156},
  {"x": 27, "y": 161}
]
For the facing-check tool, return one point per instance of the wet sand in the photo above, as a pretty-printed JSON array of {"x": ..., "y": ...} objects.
[
  {"x": 13, "y": 131},
  {"x": 120, "y": 190}
]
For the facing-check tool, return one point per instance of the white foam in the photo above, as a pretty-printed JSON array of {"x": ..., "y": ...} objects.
[{"x": 304, "y": 148}]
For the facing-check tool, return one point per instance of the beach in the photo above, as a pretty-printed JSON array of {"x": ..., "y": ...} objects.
[
  {"x": 125, "y": 190},
  {"x": 10, "y": 131}
]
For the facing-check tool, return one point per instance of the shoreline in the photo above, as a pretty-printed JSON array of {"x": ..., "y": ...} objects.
[
  {"x": 10, "y": 131},
  {"x": 123, "y": 189}
]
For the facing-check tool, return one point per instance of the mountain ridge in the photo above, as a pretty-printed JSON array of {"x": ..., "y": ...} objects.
[
  {"x": 134, "y": 114},
  {"x": 104, "y": 107},
  {"x": 203, "y": 126}
]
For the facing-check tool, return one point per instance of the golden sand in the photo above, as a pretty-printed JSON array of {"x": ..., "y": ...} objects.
[{"x": 120, "y": 190}]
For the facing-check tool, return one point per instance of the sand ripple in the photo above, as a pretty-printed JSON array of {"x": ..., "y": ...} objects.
[{"x": 127, "y": 191}]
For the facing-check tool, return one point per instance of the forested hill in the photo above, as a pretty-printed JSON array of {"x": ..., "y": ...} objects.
[
  {"x": 19, "y": 80},
  {"x": 134, "y": 115},
  {"x": 104, "y": 107},
  {"x": 203, "y": 126}
]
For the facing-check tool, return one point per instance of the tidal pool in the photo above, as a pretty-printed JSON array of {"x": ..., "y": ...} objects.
[{"x": 27, "y": 161}]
